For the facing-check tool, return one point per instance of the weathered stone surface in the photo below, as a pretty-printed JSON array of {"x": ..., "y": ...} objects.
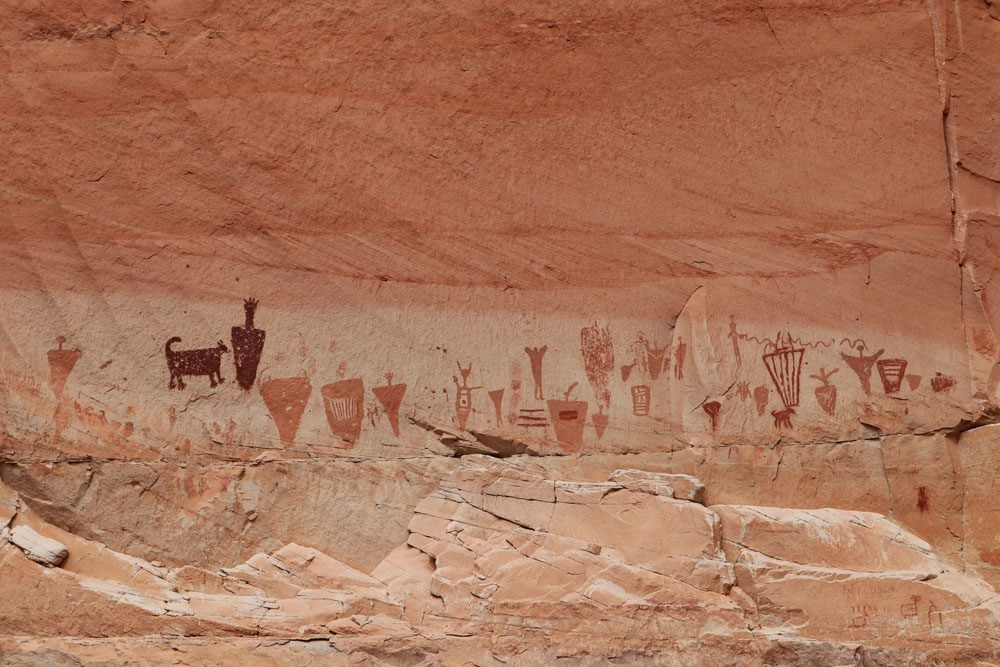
[
  {"x": 37, "y": 547},
  {"x": 745, "y": 581},
  {"x": 473, "y": 301},
  {"x": 683, "y": 487}
]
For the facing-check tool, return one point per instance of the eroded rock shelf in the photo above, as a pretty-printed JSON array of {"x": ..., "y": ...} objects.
[{"x": 480, "y": 333}]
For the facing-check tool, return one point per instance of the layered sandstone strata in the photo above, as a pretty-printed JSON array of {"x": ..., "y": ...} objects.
[
  {"x": 502, "y": 563},
  {"x": 710, "y": 285}
]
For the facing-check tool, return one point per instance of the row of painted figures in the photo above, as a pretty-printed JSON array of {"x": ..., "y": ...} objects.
[
  {"x": 344, "y": 401},
  {"x": 783, "y": 360}
]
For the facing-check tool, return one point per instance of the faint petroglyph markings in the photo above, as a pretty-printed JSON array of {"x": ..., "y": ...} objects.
[
  {"x": 25, "y": 385},
  {"x": 205, "y": 361}
]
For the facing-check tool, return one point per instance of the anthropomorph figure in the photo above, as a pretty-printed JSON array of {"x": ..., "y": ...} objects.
[
  {"x": 248, "y": 343},
  {"x": 535, "y": 355},
  {"x": 734, "y": 336},
  {"x": 679, "y": 353},
  {"x": 463, "y": 395}
]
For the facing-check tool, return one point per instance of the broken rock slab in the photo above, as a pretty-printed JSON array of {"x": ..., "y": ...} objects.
[
  {"x": 682, "y": 487},
  {"x": 37, "y": 547}
]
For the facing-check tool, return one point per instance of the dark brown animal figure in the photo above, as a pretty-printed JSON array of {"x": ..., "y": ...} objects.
[{"x": 206, "y": 361}]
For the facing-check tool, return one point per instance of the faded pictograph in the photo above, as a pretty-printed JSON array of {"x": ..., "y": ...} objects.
[
  {"x": 600, "y": 422},
  {"x": 734, "y": 338},
  {"x": 568, "y": 418},
  {"x": 532, "y": 418},
  {"x": 680, "y": 352},
  {"x": 598, "y": 360},
  {"x": 942, "y": 383},
  {"x": 496, "y": 397},
  {"x": 61, "y": 364},
  {"x": 648, "y": 362},
  {"x": 863, "y": 612},
  {"x": 640, "y": 400},
  {"x": 712, "y": 409},
  {"x": 826, "y": 393},
  {"x": 535, "y": 356},
  {"x": 205, "y": 361},
  {"x": 761, "y": 396},
  {"x": 514, "y": 402},
  {"x": 743, "y": 390},
  {"x": 984, "y": 343},
  {"x": 463, "y": 395}
]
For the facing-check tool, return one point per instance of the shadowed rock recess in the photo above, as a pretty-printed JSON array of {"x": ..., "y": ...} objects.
[{"x": 485, "y": 333}]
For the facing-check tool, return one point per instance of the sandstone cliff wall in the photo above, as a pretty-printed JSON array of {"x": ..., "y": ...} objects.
[{"x": 748, "y": 242}]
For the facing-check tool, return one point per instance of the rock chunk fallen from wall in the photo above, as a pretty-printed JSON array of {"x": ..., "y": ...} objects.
[
  {"x": 37, "y": 547},
  {"x": 682, "y": 487}
]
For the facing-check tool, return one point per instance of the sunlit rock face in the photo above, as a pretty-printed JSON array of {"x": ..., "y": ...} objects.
[{"x": 480, "y": 332}]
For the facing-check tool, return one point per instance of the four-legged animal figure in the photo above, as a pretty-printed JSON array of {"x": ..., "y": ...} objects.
[{"x": 206, "y": 361}]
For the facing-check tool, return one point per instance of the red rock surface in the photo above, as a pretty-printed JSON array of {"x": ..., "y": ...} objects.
[{"x": 714, "y": 280}]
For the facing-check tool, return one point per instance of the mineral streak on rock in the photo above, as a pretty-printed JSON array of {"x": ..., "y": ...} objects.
[{"x": 517, "y": 191}]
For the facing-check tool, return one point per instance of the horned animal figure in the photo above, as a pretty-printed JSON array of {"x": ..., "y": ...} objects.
[{"x": 206, "y": 361}]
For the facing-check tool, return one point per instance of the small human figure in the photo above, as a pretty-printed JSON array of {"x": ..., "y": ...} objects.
[{"x": 679, "y": 353}]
